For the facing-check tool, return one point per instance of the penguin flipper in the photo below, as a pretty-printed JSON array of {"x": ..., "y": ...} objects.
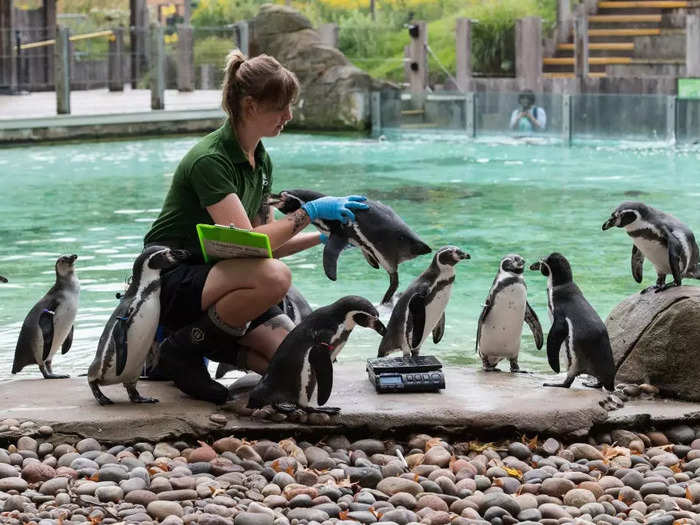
[
  {"x": 371, "y": 259},
  {"x": 46, "y": 326},
  {"x": 331, "y": 252},
  {"x": 534, "y": 323},
  {"x": 416, "y": 313},
  {"x": 675, "y": 251},
  {"x": 320, "y": 360},
  {"x": 484, "y": 312},
  {"x": 119, "y": 333},
  {"x": 557, "y": 335},
  {"x": 439, "y": 329},
  {"x": 637, "y": 263},
  {"x": 68, "y": 341}
]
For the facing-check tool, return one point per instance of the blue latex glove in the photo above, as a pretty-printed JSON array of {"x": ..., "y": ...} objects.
[{"x": 335, "y": 208}]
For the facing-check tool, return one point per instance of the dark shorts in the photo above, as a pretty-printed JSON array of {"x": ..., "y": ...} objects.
[{"x": 181, "y": 297}]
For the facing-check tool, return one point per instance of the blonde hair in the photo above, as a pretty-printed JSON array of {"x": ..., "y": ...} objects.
[{"x": 262, "y": 78}]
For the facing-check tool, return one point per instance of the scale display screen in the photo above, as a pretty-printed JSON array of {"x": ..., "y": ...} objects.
[{"x": 392, "y": 379}]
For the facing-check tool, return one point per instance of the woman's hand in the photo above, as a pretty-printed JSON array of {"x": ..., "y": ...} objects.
[{"x": 335, "y": 208}]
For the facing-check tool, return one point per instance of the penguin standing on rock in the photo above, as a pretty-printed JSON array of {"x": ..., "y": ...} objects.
[
  {"x": 421, "y": 307},
  {"x": 49, "y": 324},
  {"x": 302, "y": 367},
  {"x": 576, "y": 328},
  {"x": 664, "y": 240},
  {"x": 501, "y": 321},
  {"x": 128, "y": 335},
  {"x": 383, "y": 237}
]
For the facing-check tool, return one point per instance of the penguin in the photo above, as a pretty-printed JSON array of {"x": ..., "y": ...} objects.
[
  {"x": 294, "y": 306},
  {"x": 384, "y": 238},
  {"x": 301, "y": 370},
  {"x": 576, "y": 328},
  {"x": 501, "y": 321},
  {"x": 49, "y": 324},
  {"x": 128, "y": 335},
  {"x": 3, "y": 279},
  {"x": 664, "y": 240},
  {"x": 421, "y": 307}
]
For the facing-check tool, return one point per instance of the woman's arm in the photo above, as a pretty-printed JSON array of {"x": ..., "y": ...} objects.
[
  {"x": 230, "y": 211},
  {"x": 298, "y": 243}
]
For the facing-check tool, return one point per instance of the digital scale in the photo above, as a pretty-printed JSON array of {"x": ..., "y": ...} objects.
[{"x": 422, "y": 373}]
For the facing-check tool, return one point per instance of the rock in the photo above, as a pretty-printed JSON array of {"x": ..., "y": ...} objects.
[
  {"x": 519, "y": 450},
  {"x": 105, "y": 494},
  {"x": 437, "y": 456},
  {"x": 400, "y": 516},
  {"x": 391, "y": 486},
  {"x": 585, "y": 451},
  {"x": 247, "y": 452},
  {"x": 404, "y": 499},
  {"x": 652, "y": 338},
  {"x": 227, "y": 444},
  {"x": 165, "y": 450},
  {"x": 578, "y": 497},
  {"x": 322, "y": 71},
  {"x": 551, "y": 446},
  {"x": 8, "y": 471},
  {"x": 14, "y": 483},
  {"x": 35, "y": 472},
  {"x": 162, "y": 509},
  {"x": 431, "y": 501},
  {"x": 368, "y": 446},
  {"x": 680, "y": 434},
  {"x": 253, "y": 518},
  {"x": 202, "y": 453},
  {"x": 556, "y": 487},
  {"x": 87, "y": 444},
  {"x": 140, "y": 497},
  {"x": 501, "y": 500},
  {"x": 27, "y": 443},
  {"x": 307, "y": 514}
]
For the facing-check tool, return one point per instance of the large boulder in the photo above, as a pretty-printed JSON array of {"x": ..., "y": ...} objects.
[
  {"x": 655, "y": 339},
  {"x": 334, "y": 93}
]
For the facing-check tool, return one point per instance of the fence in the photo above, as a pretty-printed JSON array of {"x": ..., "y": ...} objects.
[{"x": 570, "y": 119}]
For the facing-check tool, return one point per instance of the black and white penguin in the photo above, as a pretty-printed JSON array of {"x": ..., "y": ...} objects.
[
  {"x": 49, "y": 324},
  {"x": 576, "y": 328},
  {"x": 421, "y": 307},
  {"x": 128, "y": 335},
  {"x": 501, "y": 321},
  {"x": 384, "y": 238},
  {"x": 664, "y": 240},
  {"x": 301, "y": 370}
]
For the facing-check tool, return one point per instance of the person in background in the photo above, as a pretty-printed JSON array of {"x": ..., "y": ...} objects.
[
  {"x": 528, "y": 117},
  {"x": 228, "y": 311}
]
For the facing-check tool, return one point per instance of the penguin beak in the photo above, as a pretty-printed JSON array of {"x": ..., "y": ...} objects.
[
  {"x": 462, "y": 255},
  {"x": 369, "y": 321},
  {"x": 610, "y": 223},
  {"x": 180, "y": 255},
  {"x": 536, "y": 266},
  {"x": 72, "y": 258}
]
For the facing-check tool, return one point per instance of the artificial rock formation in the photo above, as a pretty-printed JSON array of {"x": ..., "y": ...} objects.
[
  {"x": 334, "y": 93},
  {"x": 655, "y": 339}
]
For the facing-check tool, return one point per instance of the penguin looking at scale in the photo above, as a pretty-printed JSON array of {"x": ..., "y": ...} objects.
[
  {"x": 128, "y": 335},
  {"x": 49, "y": 324},
  {"x": 300, "y": 372},
  {"x": 577, "y": 330},
  {"x": 664, "y": 240}
]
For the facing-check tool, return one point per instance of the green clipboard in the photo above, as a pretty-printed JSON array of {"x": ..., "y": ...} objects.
[{"x": 226, "y": 242}]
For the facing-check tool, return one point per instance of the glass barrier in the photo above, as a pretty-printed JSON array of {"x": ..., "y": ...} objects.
[
  {"x": 629, "y": 117},
  {"x": 688, "y": 120},
  {"x": 519, "y": 114}
]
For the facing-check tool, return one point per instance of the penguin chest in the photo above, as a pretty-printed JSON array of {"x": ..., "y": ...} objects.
[
  {"x": 656, "y": 252},
  {"x": 503, "y": 326},
  {"x": 63, "y": 321},
  {"x": 307, "y": 382},
  {"x": 566, "y": 350},
  {"x": 435, "y": 308}
]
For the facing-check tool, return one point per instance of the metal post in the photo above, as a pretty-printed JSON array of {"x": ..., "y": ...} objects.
[
  {"x": 581, "y": 47},
  {"x": 469, "y": 114},
  {"x": 376, "y": 112},
  {"x": 62, "y": 70},
  {"x": 418, "y": 76},
  {"x": 157, "y": 72},
  {"x": 116, "y": 61},
  {"x": 671, "y": 119},
  {"x": 566, "y": 119},
  {"x": 692, "y": 45},
  {"x": 18, "y": 60},
  {"x": 464, "y": 54},
  {"x": 242, "y": 33},
  {"x": 185, "y": 58}
]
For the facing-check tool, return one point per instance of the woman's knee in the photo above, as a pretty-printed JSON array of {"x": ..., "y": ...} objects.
[{"x": 277, "y": 279}]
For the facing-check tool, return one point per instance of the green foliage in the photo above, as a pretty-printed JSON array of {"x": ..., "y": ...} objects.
[
  {"x": 212, "y": 50},
  {"x": 214, "y": 13}
]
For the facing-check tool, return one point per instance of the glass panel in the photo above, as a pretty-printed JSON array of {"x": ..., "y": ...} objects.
[
  {"x": 390, "y": 109},
  {"x": 512, "y": 114},
  {"x": 631, "y": 117},
  {"x": 688, "y": 120}
]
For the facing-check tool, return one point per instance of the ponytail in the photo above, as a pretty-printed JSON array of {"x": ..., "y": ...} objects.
[{"x": 262, "y": 78}]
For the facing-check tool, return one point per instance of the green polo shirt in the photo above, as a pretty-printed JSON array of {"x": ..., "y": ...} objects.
[{"x": 213, "y": 168}]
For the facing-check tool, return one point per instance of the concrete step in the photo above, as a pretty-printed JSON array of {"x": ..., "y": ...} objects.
[
  {"x": 644, "y": 4},
  {"x": 420, "y": 125},
  {"x": 623, "y": 19}
]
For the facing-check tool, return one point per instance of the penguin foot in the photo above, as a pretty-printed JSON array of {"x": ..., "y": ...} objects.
[
  {"x": 331, "y": 411},
  {"x": 298, "y": 416},
  {"x": 285, "y": 408},
  {"x": 519, "y": 371},
  {"x": 101, "y": 398},
  {"x": 56, "y": 376},
  {"x": 560, "y": 385},
  {"x": 593, "y": 384},
  {"x": 491, "y": 369},
  {"x": 135, "y": 397},
  {"x": 665, "y": 287}
]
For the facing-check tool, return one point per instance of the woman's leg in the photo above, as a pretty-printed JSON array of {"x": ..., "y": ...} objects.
[
  {"x": 242, "y": 289},
  {"x": 262, "y": 342}
]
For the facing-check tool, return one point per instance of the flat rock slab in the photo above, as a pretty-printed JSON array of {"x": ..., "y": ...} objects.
[{"x": 474, "y": 401}]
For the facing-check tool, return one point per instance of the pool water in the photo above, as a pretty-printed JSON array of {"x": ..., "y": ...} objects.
[{"x": 97, "y": 200}]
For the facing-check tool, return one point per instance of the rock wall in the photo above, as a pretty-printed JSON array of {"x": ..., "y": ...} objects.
[
  {"x": 334, "y": 93},
  {"x": 655, "y": 339}
]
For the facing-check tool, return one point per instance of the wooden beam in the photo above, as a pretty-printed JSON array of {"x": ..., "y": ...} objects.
[
  {"x": 601, "y": 46},
  {"x": 624, "y": 32},
  {"x": 624, "y": 19},
  {"x": 653, "y": 4}
]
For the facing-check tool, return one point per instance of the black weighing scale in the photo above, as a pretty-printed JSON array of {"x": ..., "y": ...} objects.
[{"x": 421, "y": 373}]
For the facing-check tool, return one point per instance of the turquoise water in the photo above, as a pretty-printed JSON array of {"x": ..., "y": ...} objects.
[{"x": 98, "y": 199}]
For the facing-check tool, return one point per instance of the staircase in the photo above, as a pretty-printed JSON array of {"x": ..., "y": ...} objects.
[{"x": 631, "y": 34}]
